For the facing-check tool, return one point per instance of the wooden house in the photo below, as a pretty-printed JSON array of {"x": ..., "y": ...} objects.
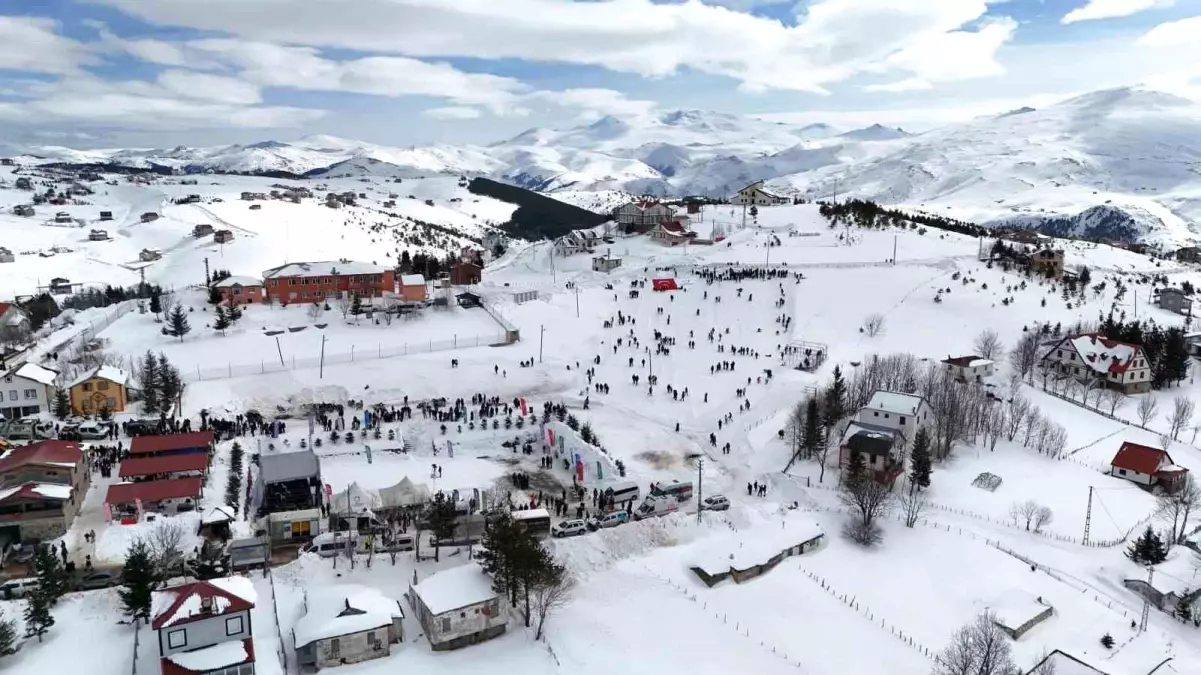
[{"x": 104, "y": 388}]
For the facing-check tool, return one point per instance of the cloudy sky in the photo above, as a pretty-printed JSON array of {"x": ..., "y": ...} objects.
[{"x": 90, "y": 73}]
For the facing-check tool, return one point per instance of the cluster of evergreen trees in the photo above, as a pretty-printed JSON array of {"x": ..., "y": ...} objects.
[
  {"x": 162, "y": 385},
  {"x": 1148, "y": 549},
  {"x": 227, "y": 316},
  {"x": 537, "y": 216},
  {"x": 430, "y": 266},
  {"x": 1166, "y": 348},
  {"x": 863, "y": 213},
  {"x": 522, "y": 569},
  {"x": 53, "y": 582},
  {"x": 233, "y": 485},
  {"x": 110, "y": 295}
]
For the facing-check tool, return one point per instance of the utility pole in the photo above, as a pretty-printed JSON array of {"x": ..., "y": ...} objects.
[
  {"x": 321, "y": 371},
  {"x": 577, "y": 302},
  {"x": 1088, "y": 514},
  {"x": 541, "y": 332},
  {"x": 700, "y": 496},
  {"x": 553, "y": 276},
  {"x": 1142, "y": 626},
  {"x": 744, "y": 215},
  {"x": 206, "y": 272},
  {"x": 894, "y": 249}
]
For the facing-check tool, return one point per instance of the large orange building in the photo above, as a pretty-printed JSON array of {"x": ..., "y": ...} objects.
[{"x": 315, "y": 281}]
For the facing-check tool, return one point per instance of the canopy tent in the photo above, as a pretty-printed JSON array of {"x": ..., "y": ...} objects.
[
  {"x": 404, "y": 493},
  {"x": 354, "y": 500}
]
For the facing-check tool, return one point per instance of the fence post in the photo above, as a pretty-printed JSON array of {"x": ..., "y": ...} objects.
[
  {"x": 198, "y": 372},
  {"x": 456, "y": 340},
  {"x": 352, "y": 353}
]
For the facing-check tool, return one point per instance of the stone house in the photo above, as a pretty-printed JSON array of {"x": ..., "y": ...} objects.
[
  {"x": 1016, "y": 612},
  {"x": 205, "y": 627},
  {"x": 42, "y": 488},
  {"x": 457, "y": 607},
  {"x": 346, "y": 624},
  {"x": 1047, "y": 263}
]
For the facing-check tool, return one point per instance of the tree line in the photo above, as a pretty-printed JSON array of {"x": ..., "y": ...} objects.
[{"x": 868, "y": 214}]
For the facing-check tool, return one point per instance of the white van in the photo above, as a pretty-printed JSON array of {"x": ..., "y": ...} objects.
[
  {"x": 331, "y": 544},
  {"x": 653, "y": 507},
  {"x": 18, "y": 588}
]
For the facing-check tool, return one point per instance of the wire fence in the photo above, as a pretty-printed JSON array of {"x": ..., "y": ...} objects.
[{"x": 355, "y": 355}]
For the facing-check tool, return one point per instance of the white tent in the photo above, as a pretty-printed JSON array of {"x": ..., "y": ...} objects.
[
  {"x": 404, "y": 493},
  {"x": 354, "y": 500}
]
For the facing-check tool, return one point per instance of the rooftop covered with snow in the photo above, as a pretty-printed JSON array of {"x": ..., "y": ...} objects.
[
  {"x": 346, "y": 609},
  {"x": 749, "y": 547},
  {"x": 455, "y": 588},
  {"x": 895, "y": 402},
  {"x": 323, "y": 269}
]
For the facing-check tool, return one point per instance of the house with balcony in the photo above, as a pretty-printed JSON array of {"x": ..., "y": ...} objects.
[
  {"x": 205, "y": 627},
  {"x": 42, "y": 488},
  {"x": 642, "y": 215},
  {"x": 309, "y": 282},
  {"x": 1092, "y": 357}
]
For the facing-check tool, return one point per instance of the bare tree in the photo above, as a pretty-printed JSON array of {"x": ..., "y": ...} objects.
[
  {"x": 165, "y": 543},
  {"x": 1024, "y": 512},
  {"x": 979, "y": 648},
  {"x": 873, "y": 325},
  {"x": 988, "y": 344},
  {"x": 1024, "y": 356},
  {"x": 913, "y": 505},
  {"x": 1043, "y": 517},
  {"x": 314, "y": 311},
  {"x": 1181, "y": 415},
  {"x": 1176, "y": 508},
  {"x": 995, "y": 425},
  {"x": 1147, "y": 408},
  {"x": 167, "y": 301},
  {"x": 1116, "y": 398},
  {"x": 551, "y": 591},
  {"x": 388, "y": 306},
  {"x": 1019, "y": 408},
  {"x": 867, "y": 501},
  {"x": 343, "y": 302}
]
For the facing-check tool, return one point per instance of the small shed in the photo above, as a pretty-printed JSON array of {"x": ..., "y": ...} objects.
[
  {"x": 744, "y": 556},
  {"x": 249, "y": 553},
  {"x": 62, "y": 217},
  {"x": 202, "y": 230},
  {"x": 347, "y": 624},
  {"x": 457, "y": 607},
  {"x": 605, "y": 263},
  {"x": 468, "y": 300},
  {"x": 106, "y": 215},
  {"x": 23, "y": 210},
  {"x": 1016, "y": 612},
  {"x": 6, "y": 256},
  {"x": 98, "y": 235},
  {"x": 223, "y": 236},
  {"x": 149, "y": 216},
  {"x": 150, "y": 255}
]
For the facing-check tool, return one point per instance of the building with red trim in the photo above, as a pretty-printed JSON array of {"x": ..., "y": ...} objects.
[
  {"x": 1094, "y": 358},
  {"x": 318, "y": 281},
  {"x": 240, "y": 290},
  {"x": 123, "y": 498},
  {"x": 195, "y": 442},
  {"x": 162, "y": 467},
  {"x": 42, "y": 487},
  {"x": 205, "y": 627},
  {"x": 1147, "y": 466}
]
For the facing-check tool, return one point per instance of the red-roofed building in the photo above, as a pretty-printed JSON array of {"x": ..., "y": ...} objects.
[
  {"x": 673, "y": 232},
  {"x": 193, "y": 464},
  {"x": 172, "y": 444},
  {"x": 42, "y": 486},
  {"x": 1092, "y": 357},
  {"x": 124, "y": 497},
  {"x": 204, "y": 628},
  {"x": 1147, "y": 466}
]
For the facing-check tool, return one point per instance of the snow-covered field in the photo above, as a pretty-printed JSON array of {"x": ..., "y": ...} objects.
[{"x": 836, "y": 610}]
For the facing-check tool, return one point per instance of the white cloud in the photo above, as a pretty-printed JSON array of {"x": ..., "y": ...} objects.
[
  {"x": 595, "y": 102},
  {"x": 1173, "y": 33},
  {"x": 31, "y": 44},
  {"x": 454, "y": 112},
  {"x": 160, "y": 52},
  {"x": 832, "y": 41},
  {"x": 910, "y": 84},
  {"x": 206, "y": 87},
  {"x": 917, "y": 118},
  {"x": 1111, "y": 9},
  {"x": 956, "y": 55}
]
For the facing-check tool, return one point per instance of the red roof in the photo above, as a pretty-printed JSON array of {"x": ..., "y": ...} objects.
[
  {"x": 149, "y": 466},
  {"x": 232, "y": 604},
  {"x": 1140, "y": 458},
  {"x": 29, "y": 491},
  {"x": 4, "y": 307},
  {"x": 169, "y": 667},
  {"x": 154, "y": 490},
  {"x": 145, "y": 445},
  {"x": 42, "y": 452}
]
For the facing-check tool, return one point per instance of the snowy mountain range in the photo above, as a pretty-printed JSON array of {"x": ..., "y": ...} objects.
[{"x": 1122, "y": 163}]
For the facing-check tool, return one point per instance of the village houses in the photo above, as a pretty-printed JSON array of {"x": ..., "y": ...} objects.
[
  {"x": 883, "y": 432},
  {"x": 1092, "y": 357},
  {"x": 239, "y": 290},
  {"x": 641, "y": 215},
  {"x": 457, "y": 607},
  {"x": 1147, "y": 466},
  {"x": 347, "y": 624},
  {"x": 1047, "y": 263},
  {"x": 314, "y": 281},
  {"x": 28, "y": 390},
  {"x": 755, "y": 195},
  {"x": 103, "y": 388},
  {"x": 204, "y": 627},
  {"x": 576, "y": 241},
  {"x": 42, "y": 487}
]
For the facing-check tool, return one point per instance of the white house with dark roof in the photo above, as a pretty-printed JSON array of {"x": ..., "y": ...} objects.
[
  {"x": 457, "y": 607},
  {"x": 1094, "y": 357},
  {"x": 346, "y": 624},
  {"x": 969, "y": 368},
  {"x": 755, "y": 195},
  {"x": 903, "y": 413}
]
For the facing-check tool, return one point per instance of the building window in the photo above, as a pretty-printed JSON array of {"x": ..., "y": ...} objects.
[
  {"x": 102, "y": 386},
  {"x": 371, "y": 639},
  {"x": 1121, "y": 472},
  {"x": 335, "y": 648},
  {"x": 12, "y": 395},
  {"x": 112, "y": 404},
  {"x": 446, "y": 625},
  {"x": 233, "y": 625},
  {"x": 177, "y": 639},
  {"x": 875, "y": 414},
  {"x": 902, "y": 420},
  {"x": 31, "y": 393},
  {"x": 87, "y": 386},
  {"x": 1059, "y": 353}
]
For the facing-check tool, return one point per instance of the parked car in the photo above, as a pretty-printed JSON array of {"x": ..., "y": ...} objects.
[
  {"x": 93, "y": 430},
  {"x": 612, "y": 519},
  {"x": 142, "y": 427},
  {"x": 568, "y": 528},
  {"x": 715, "y": 503},
  {"x": 18, "y": 588},
  {"x": 22, "y": 553},
  {"x": 97, "y": 579}
]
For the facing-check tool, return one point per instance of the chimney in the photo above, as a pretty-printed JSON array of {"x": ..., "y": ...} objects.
[{"x": 206, "y": 605}]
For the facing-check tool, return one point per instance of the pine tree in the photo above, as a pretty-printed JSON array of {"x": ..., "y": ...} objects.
[
  {"x": 442, "y": 520},
  {"x": 62, "y": 404},
  {"x": 1175, "y": 360},
  {"x": 52, "y": 577},
  {"x": 151, "y": 384},
  {"x": 215, "y": 295},
  {"x": 1137, "y": 551},
  {"x": 586, "y": 433},
  {"x": 156, "y": 304},
  {"x": 1107, "y": 641},
  {"x": 38, "y": 618},
  {"x": 177, "y": 323},
  {"x": 8, "y": 636},
  {"x": 170, "y": 385},
  {"x": 495, "y": 557},
  {"x": 222, "y": 320},
  {"x": 1184, "y": 609},
  {"x": 356, "y": 306},
  {"x": 856, "y": 469},
  {"x": 920, "y": 469},
  {"x": 137, "y": 582},
  {"x": 1157, "y": 551},
  {"x": 812, "y": 438},
  {"x": 233, "y": 313},
  {"x": 836, "y": 398}
]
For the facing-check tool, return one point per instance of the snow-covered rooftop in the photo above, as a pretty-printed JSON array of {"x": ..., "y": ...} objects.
[
  {"x": 1102, "y": 354},
  {"x": 749, "y": 547},
  {"x": 1013, "y": 608},
  {"x": 239, "y": 281},
  {"x": 344, "y": 610},
  {"x": 211, "y": 658},
  {"x": 412, "y": 280},
  {"x": 895, "y": 402},
  {"x": 1176, "y": 574},
  {"x": 110, "y": 373},
  {"x": 457, "y": 587},
  {"x": 323, "y": 269},
  {"x": 53, "y": 490},
  {"x": 32, "y": 371}
]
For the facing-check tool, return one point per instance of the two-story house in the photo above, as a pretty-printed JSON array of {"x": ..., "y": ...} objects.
[
  {"x": 346, "y": 624},
  {"x": 104, "y": 388},
  {"x": 1094, "y": 357},
  {"x": 883, "y": 431},
  {"x": 642, "y": 215},
  {"x": 28, "y": 390},
  {"x": 204, "y": 627},
  {"x": 969, "y": 368},
  {"x": 42, "y": 488},
  {"x": 457, "y": 607},
  {"x": 240, "y": 290},
  {"x": 755, "y": 195}
]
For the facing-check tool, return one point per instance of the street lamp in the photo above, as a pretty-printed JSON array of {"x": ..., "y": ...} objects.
[{"x": 700, "y": 496}]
